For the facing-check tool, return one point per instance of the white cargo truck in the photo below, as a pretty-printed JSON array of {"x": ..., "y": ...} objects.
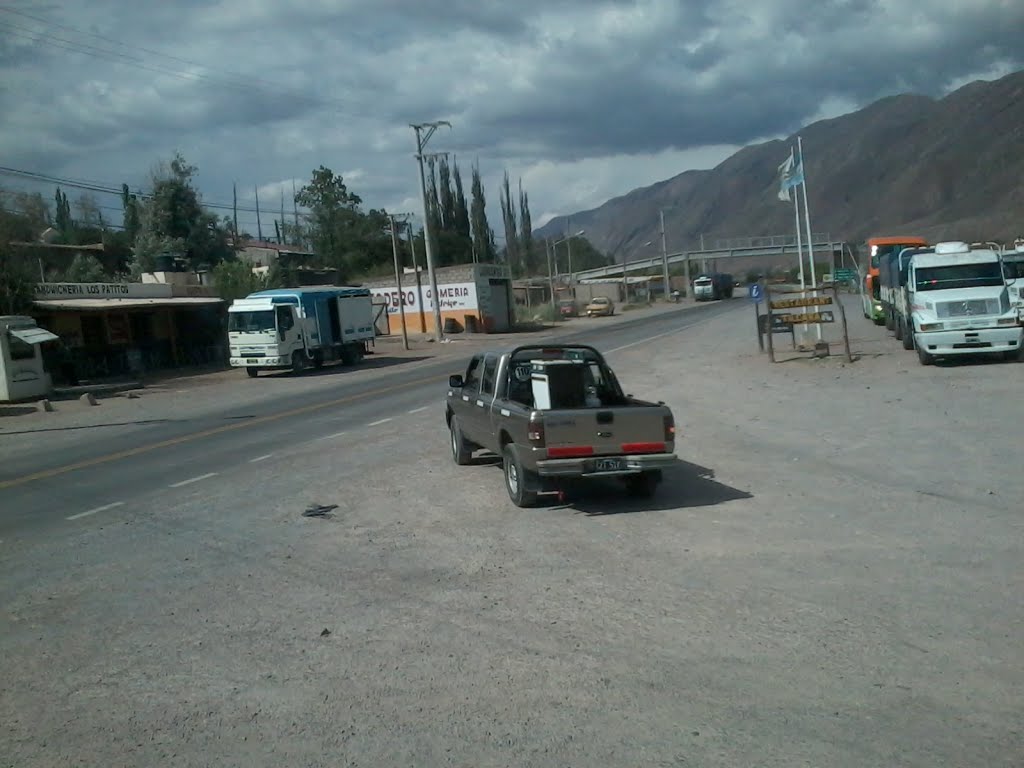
[
  {"x": 298, "y": 328},
  {"x": 960, "y": 303},
  {"x": 1013, "y": 269}
]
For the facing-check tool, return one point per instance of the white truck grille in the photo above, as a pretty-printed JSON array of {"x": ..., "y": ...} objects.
[{"x": 969, "y": 308}]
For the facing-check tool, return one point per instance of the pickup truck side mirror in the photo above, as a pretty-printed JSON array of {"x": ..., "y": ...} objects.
[{"x": 455, "y": 382}]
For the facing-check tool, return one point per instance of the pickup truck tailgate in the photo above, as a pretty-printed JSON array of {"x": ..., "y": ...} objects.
[{"x": 606, "y": 431}]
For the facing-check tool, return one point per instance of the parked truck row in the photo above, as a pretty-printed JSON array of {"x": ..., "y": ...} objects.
[{"x": 952, "y": 298}]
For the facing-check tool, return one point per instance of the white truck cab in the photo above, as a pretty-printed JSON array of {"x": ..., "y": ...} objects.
[
  {"x": 960, "y": 303},
  {"x": 264, "y": 334},
  {"x": 1013, "y": 269}
]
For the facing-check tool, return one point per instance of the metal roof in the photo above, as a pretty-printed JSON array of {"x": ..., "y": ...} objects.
[
  {"x": 100, "y": 305},
  {"x": 341, "y": 290}
]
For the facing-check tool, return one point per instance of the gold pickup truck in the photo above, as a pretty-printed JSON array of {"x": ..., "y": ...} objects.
[{"x": 553, "y": 412}]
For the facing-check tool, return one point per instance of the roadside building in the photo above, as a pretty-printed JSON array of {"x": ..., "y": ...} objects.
[
  {"x": 115, "y": 329},
  {"x": 476, "y": 297}
]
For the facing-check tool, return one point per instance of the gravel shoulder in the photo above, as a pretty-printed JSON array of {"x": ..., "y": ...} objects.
[{"x": 832, "y": 577}]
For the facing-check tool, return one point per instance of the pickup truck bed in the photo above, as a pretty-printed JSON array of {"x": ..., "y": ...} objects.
[{"x": 582, "y": 425}]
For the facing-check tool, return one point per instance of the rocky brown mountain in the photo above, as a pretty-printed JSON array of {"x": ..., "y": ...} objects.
[{"x": 950, "y": 168}]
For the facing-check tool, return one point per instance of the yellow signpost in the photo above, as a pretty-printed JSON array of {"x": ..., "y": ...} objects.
[{"x": 810, "y": 315}]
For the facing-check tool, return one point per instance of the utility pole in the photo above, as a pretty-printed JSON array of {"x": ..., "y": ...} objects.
[
  {"x": 234, "y": 208},
  {"x": 419, "y": 282},
  {"x": 281, "y": 238},
  {"x": 664, "y": 257},
  {"x": 295, "y": 215},
  {"x": 423, "y": 133},
  {"x": 398, "y": 276},
  {"x": 568, "y": 251},
  {"x": 259, "y": 227},
  {"x": 625, "y": 279},
  {"x": 551, "y": 279}
]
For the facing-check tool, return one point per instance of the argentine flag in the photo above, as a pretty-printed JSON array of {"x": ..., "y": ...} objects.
[{"x": 791, "y": 174}]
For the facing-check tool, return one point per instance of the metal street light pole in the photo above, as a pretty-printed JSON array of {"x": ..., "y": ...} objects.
[
  {"x": 568, "y": 241},
  {"x": 551, "y": 280},
  {"x": 421, "y": 142},
  {"x": 398, "y": 275},
  {"x": 419, "y": 280},
  {"x": 625, "y": 279},
  {"x": 664, "y": 257}
]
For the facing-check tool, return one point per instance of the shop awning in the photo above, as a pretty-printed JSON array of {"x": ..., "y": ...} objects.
[
  {"x": 113, "y": 305},
  {"x": 33, "y": 335}
]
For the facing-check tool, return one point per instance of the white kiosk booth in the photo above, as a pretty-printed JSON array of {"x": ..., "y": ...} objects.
[{"x": 22, "y": 376}]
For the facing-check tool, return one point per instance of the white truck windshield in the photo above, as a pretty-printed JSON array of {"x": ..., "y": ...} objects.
[
  {"x": 985, "y": 274},
  {"x": 260, "y": 321}
]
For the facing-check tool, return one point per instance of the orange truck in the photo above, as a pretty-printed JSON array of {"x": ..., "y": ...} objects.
[{"x": 878, "y": 247}]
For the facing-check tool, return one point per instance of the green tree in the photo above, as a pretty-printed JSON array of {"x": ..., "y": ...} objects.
[
  {"x": 446, "y": 199},
  {"x": 132, "y": 218},
  {"x": 236, "y": 280},
  {"x": 62, "y": 218},
  {"x": 526, "y": 246},
  {"x": 584, "y": 255},
  {"x": 173, "y": 220},
  {"x": 344, "y": 238},
  {"x": 18, "y": 271},
  {"x": 508, "y": 215},
  {"x": 85, "y": 268},
  {"x": 483, "y": 235},
  {"x": 90, "y": 216},
  {"x": 462, "y": 226}
]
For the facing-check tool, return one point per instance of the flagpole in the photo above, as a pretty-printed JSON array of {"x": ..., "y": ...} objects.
[
  {"x": 807, "y": 221},
  {"x": 799, "y": 246}
]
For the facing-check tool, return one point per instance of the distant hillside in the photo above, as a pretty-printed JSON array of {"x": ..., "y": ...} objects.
[{"x": 951, "y": 168}]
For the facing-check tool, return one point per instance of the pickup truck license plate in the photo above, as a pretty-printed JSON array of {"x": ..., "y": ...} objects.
[
  {"x": 252, "y": 361},
  {"x": 608, "y": 465}
]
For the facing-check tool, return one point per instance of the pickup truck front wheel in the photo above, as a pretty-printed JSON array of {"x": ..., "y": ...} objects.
[{"x": 516, "y": 478}]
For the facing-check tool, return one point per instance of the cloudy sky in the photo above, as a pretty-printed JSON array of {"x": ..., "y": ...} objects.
[{"x": 582, "y": 99}]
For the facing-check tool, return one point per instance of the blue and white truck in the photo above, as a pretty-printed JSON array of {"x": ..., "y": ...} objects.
[{"x": 299, "y": 328}]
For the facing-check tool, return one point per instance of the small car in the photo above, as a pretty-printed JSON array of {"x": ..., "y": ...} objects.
[
  {"x": 568, "y": 308},
  {"x": 600, "y": 306}
]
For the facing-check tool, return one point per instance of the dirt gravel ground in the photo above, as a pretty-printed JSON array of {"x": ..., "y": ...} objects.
[{"x": 831, "y": 578}]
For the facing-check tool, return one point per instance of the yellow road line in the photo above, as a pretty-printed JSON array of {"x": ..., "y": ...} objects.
[{"x": 47, "y": 473}]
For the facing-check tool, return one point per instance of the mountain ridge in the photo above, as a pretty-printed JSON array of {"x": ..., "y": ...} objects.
[{"x": 944, "y": 168}]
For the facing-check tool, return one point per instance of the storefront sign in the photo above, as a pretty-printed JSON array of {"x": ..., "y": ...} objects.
[
  {"x": 454, "y": 297},
  {"x": 103, "y": 291}
]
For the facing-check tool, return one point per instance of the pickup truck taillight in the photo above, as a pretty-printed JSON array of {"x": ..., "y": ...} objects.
[
  {"x": 535, "y": 429},
  {"x": 670, "y": 428}
]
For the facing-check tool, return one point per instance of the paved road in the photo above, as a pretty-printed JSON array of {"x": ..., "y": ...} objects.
[
  {"x": 811, "y": 587},
  {"x": 46, "y": 486}
]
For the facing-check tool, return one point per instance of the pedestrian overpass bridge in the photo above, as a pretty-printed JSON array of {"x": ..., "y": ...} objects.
[{"x": 739, "y": 248}]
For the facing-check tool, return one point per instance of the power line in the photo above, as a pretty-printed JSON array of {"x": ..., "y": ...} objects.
[
  {"x": 100, "y": 187},
  {"x": 150, "y": 51},
  {"x": 234, "y": 80}
]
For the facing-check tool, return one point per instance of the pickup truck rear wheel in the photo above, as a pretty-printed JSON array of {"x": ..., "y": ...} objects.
[
  {"x": 516, "y": 478},
  {"x": 460, "y": 449}
]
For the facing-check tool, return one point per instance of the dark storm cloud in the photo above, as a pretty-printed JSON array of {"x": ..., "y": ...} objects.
[{"x": 283, "y": 87}]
